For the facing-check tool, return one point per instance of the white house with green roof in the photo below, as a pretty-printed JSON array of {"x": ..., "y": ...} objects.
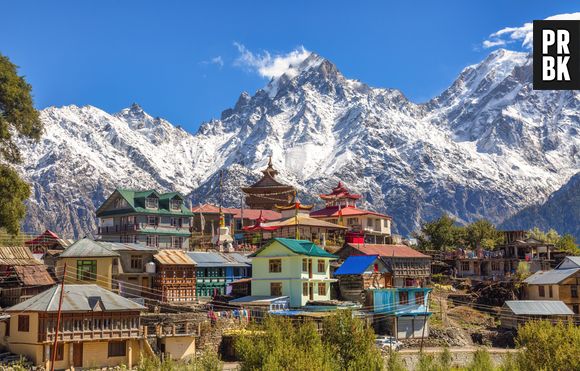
[
  {"x": 159, "y": 220},
  {"x": 298, "y": 269}
]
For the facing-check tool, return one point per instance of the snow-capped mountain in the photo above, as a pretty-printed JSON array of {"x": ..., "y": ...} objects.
[{"x": 488, "y": 146}]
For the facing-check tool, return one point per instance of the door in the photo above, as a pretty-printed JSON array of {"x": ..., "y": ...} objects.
[
  {"x": 311, "y": 291},
  {"x": 309, "y": 268},
  {"x": 78, "y": 355}
]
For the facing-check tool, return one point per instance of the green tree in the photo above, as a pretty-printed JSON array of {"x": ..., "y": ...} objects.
[
  {"x": 482, "y": 233},
  {"x": 279, "y": 344},
  {"x": 568, "y": 243},
  {"x": 547, "y": 346},
  {"x": 481, "y": 361},
  {"x": 440, "y": 234},
  {"x": 17, "y": 115},
  {"x": 352, "y": 342}
]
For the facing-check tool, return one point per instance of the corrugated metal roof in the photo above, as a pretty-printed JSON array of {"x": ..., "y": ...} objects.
[
  {"x": 387, "y": 251},
  {"x": 550, "y": 277},
  {"x": 356, "y": 264},
  {"x": 569, "y": 262},
  {"x": 301, "y": 247},
  {"x": 538, "y": 307},
  {"x": 173, "y": 257},
  {"x": 304, "y": 220},
  {"x": 33, "y": 275},
  {"x": 17, "y": 255},
  {"x": 206, "y": 259},
  {"x": 118, "y": 246},
  {"x": 76, "y": 298},
  {"x": 87, "y": 248}
]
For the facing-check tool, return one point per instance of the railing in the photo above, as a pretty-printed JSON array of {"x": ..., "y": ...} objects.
[
  {"x": 95, "y": 334},
  {"x": 174, "y": 329},
  {"x": 140, "y": 226}
]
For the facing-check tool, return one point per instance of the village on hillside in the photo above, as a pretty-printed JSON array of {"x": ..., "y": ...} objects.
[{"x": 161, "y": 278}]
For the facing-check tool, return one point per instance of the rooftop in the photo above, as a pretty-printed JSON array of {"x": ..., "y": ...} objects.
[
  {"x": 173, "y": 257},
  {"x": 388, "y": 251},
  {"x": 335, "y": 212},
  {"x": 205, "y": 259},
  {"x": 552, "y": 277},
  {"x": 17, "y": 255},
  {"x": 356, "y": 264},
  {"x": 76, "y": 298},
  {"x": 300, "y": 247},
  {"x": 87, "y": 248},
  {"x": 538, "y": 307}
]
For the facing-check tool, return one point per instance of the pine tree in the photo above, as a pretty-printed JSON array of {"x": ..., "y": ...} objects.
[{"x": 17, "y": 115}]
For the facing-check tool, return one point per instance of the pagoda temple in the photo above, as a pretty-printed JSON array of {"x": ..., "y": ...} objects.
[{"x": 267, "y": 193}]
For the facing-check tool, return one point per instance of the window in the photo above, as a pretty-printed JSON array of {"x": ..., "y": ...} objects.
[
  {"x": 116, "y": 348},
  {"x": 322, "y": 289},
  {"x": 541, "y": 291},
  {"x": 321, "y": 266},
  {"x": 152, "y": 220},
  {"x": 59, "y": 352},
  {"x": 23, "y": 323},
  {"x": 136, "y": 262},
  {"x": 86, "y": 270},
  {"x": 152, "y": 241},
  {"x": 275, "y": 265},
  {"x": 305, "y": 289},
  {"x": 575, "y": 308},
  {"x": 275, "y": 288},
  {"x": 550, "y": 292},
  {"x": 175, "y": 204},
  {"x": 495, "y": 266},
  {"x": 304, "y": 265},
  {"x": 574, "y": 291},
  {"x": 120, "y": 203},
  {"x": 419, "y": 297},
  {"x": 465, "y": 266},
  {"x": 352, "y": 221},
  {"x": 403, "y": 297},
  {"x": 152, "y": 203},
  {"x": 176, "y": 242}
]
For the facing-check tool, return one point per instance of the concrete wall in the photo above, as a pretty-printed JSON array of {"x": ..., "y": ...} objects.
[
  {"x": 461, "y": 357},
  {"x": 179, "y": 347}
]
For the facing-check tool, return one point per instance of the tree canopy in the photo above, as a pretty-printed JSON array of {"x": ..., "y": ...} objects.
[{"x": 17, "y": 117}]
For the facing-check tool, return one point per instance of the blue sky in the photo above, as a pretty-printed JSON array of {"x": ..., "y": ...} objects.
[{"x": 178, "y": 59}]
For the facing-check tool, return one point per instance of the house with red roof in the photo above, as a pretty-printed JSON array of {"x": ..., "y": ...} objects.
[{"x": 363, "y": 225}]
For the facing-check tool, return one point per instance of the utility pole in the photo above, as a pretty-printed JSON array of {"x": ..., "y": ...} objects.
[{"x": 58, "y": 320}]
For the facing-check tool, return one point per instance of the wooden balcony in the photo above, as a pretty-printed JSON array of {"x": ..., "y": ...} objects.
[{"x": 84, "y": 335}]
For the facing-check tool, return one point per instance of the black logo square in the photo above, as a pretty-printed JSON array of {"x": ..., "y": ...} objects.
[{"x": 557, "y": 55}]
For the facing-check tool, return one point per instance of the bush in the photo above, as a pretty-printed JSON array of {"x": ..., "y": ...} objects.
[
  {"x": 481, "y": 361},
  {"x": 547, "y": 346}
]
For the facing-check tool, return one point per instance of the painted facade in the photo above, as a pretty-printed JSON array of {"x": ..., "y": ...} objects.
[
  {"x": 295, "y": 268},
  {"x": 158, "y": 220}
]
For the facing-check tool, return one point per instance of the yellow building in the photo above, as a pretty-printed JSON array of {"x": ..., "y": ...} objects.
[
  {"x": 298, "y": 269},
  {"x": 89, "y": 262},
  {"x": 98, "y": 328},
  {"x": 561, "y": 283}
]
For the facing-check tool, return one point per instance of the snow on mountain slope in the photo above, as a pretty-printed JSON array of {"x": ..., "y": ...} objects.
[{"x": 486, "y": 147}]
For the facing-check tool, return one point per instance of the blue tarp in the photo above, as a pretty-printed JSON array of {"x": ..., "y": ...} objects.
[{"x": 355, "y": 264}]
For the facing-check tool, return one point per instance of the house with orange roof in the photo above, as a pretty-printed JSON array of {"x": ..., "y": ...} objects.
[{"x": 363, "y": 225}]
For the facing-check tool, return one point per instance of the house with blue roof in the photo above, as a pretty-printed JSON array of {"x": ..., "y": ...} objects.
[
  {"x": 298, "y": 269},
  {"x": 359, "y": 273}
]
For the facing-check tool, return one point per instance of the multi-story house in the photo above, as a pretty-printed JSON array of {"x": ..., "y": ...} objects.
[
  {"x": 363, "y": 225},
  {"x": 298, "y": 269},
  {"x": 215, "y": 271},
  {"x": 124, "y": 268},
  {"x": 175, "y": 278},
  {"x": 561, "y": 283},
  {"x": 98, "y": 328},
  {"x": 159, "y": 220},
  {"x": 394, "y": 289}
]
